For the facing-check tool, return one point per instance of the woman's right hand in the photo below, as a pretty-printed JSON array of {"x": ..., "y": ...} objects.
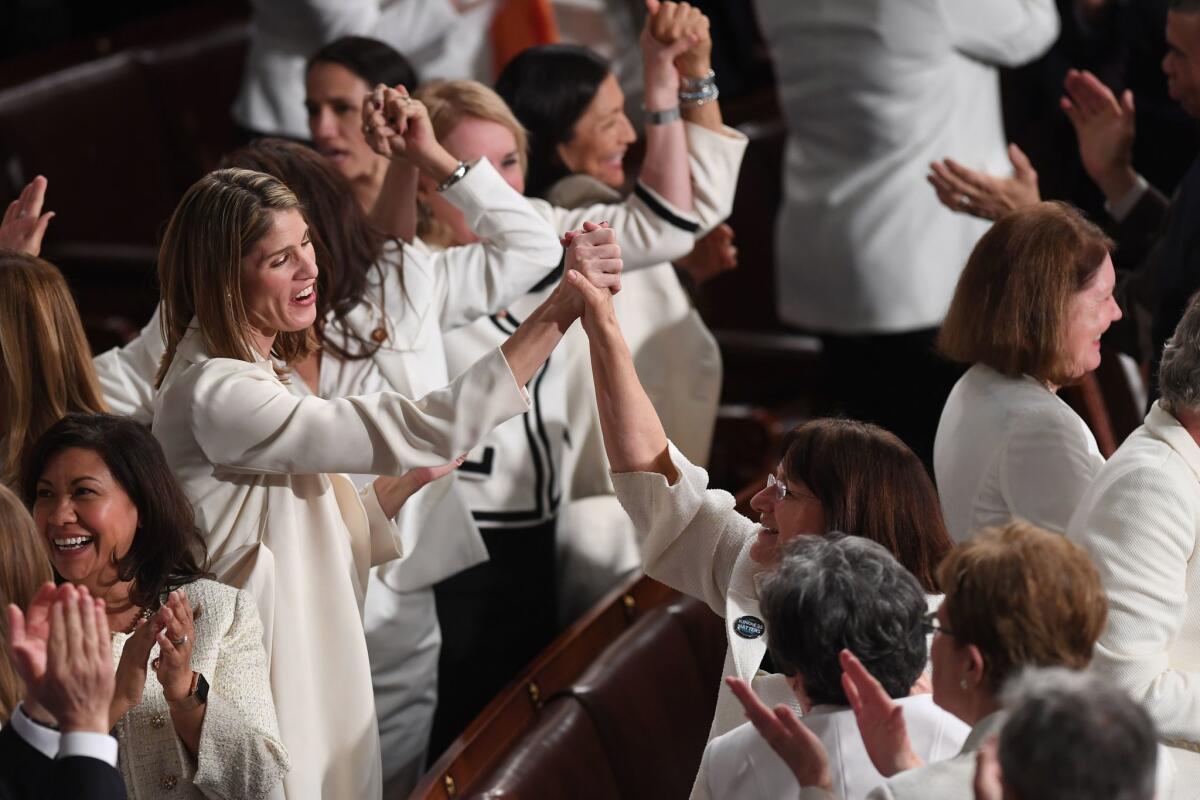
[
  {"x": 131, "y": 671},
  {"x": 880, "y": 719},
  {"x": 671, "y": 30},
  {"x": 968, "y": 191}
]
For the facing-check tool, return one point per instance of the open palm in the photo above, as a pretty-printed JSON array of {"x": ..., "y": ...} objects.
[{"x": 880, "y": 719}]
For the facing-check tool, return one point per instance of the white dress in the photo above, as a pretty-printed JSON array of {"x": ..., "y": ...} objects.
[{"x": 1009, "y": 448}]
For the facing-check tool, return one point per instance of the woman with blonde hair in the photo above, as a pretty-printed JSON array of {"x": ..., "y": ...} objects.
[
  {"x": 45, "y": 363},
  {"x": 1030, "y": 307},
  {"x": 26, "y": 567}
]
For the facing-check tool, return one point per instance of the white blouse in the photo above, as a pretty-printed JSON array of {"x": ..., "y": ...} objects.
[{"x": 1009, "y": 448}]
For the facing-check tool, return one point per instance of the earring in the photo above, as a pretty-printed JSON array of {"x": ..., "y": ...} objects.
[{"x": 962, "y": 684}]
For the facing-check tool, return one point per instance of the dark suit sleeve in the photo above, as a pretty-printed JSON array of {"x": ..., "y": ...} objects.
[
  {"x": 84, "y": 778},
  {"x": 23, "y": 768}
]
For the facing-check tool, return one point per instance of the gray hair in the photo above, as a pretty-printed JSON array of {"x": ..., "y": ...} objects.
[
  {"x": 1072, "y": 736},
  {"x": 836, "y": 591},
  {"x": 1179, "y": 369}
]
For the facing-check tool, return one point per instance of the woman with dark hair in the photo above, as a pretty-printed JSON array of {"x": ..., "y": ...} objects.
[
  {"x": 338, "y": 78},
  {"x": 1030, "y": 307},
  {"x": 115, "y": 520},
  {"x": 863, "y": 479},
  {"x": 829, "y": 594}
]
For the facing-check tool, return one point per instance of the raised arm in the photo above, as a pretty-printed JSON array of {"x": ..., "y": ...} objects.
[
  {"x": 127, "y": 373},
  {"x": 667, "y": 34}
]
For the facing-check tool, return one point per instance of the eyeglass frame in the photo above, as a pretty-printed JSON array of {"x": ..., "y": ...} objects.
[
  {"x": 932, "y": 624},
  {"x": 782, "y": 492}
]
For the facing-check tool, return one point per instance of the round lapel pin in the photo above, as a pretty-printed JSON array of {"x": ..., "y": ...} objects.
[{"x": 749, "y": 627}]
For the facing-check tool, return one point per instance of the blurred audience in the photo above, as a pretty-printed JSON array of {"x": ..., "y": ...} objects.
[
  {"x": 1031, "y": 305},
  {"x": 828, "y": 594},
  {"x": 872, "y": 91},
  {"x": 26, "y": 569}
]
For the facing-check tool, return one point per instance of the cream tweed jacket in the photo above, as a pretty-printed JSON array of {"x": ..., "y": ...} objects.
[{"x": 241, "y": 755}]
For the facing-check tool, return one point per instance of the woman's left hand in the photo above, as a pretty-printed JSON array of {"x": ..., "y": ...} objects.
[
  {"x": 176, "y": 634},
  {"x": 671, "y": 29},
  {"x": 792, "y": 741},
  {"x": 398, "y": 126}
]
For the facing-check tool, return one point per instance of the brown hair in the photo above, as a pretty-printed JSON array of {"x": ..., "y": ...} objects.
[
  {"x": 45, "y": 362},
  {"x": 1010, "y": 306},
  {"x": 449, "y": 103},
  {"x": 870, "y": 484},
  {"x": 24, "y": 567},
  {"x": 348, "y": 245},
  {"x": 216, "y": 224},
  {"x": 1025, "y": 597}
]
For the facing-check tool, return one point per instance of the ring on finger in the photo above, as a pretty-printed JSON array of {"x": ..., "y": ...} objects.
[
  {"x": 963, "y": 201},
  {"x": 181, "y": 641},
  {"x": 20, "y": 213}
]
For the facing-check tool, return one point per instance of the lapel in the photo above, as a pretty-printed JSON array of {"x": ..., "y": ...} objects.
[
  {"x": 1162, "y": 425},
  {"x": 742, "y": 601}
]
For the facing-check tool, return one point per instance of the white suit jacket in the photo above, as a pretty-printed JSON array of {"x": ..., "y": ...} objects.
[
  {"x": 1009, "y": 448},
  {"x": 740, "y": 764},
  {"x": 259, "y": 465},
  {"x": 421, "y": 293},
  {"x": 1140, "y": 522},
  {"x": 241, "y": 753},
  {"x": 873, "y": 91}
]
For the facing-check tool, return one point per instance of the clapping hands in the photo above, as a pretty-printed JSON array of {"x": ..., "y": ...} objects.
[{"x": 24, "y": 224}]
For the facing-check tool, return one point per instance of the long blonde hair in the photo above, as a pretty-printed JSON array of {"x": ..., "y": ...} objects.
[
  {"x": 24, "y": 567},
  {"x": 45, "y": 362},
  {"x": 216, "y": 224}
]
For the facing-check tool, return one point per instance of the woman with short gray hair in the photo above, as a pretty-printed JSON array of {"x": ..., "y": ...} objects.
[
  {"x": 1140, "y": 522},
  {"x": 829, "y": 594}
]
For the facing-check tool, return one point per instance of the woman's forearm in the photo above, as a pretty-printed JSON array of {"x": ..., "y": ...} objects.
[
  {"x": 395, "y": 210},
  {"x": 188, "y": 723},
  {"x": 633, "y": 434},
  {"x": 529, "y": 347}
]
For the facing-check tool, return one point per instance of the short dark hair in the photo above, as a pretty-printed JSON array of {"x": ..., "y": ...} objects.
[
  {"x": 167, "y": 550},
  {"x": 837, "y": 592},
  {"x": 870, "y": 484},
  {"x": 1072, "y": 736},
  {"x": 348, "y": 245},
  {"x": 549, "y": 87},
  {"x": 374, "y": 61},
  {"x": 1010, "y": 306}
]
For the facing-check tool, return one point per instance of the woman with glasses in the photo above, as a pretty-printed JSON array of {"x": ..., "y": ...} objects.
[
  {"x": 1016, "y": 596},
  {"x": 834, "y": 475}
]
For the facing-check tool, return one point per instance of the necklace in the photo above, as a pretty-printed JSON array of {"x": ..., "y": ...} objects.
[{"x": 141, "y": 617}]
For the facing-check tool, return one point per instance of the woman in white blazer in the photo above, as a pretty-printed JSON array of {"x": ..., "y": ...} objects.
[
  {"x": 829, "y": 593},
  {"x": 834, "y": 475},
  {"x": 238, "y": 281},
  {"x": 1016, "y": 596},
  {"x": 1028, "y": 313},
  {"x": 1140, "y": 521},
  {"x": 384, "y": 305},
  {"x": 115, "y": 521}
]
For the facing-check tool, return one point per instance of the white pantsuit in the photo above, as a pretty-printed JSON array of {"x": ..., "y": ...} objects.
[{"x": 1140, "y": 522}]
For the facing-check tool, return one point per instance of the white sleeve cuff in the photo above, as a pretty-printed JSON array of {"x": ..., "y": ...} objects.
[
  {"x": 39, "y": 737},
  {"x": 1120, "y": 209},
  {"x": 100, "y": 746}
]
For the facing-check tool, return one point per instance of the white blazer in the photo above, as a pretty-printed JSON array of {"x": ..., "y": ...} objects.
[
  {"x": 1009, "y": 448},
  {"x": 873, "y": 91},
  {"x": 421, "y": 293},
  {"x": 1140, "y": 522},
  {"x": 241, "y": 753},
  {"x": 253, "y": 459},
  {"x": 740, "y": 764}
]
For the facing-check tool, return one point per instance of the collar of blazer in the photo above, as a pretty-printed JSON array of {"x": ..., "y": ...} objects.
[
  {"x": 192, "y": 348},
  {"x": 1163, "y": 425}
]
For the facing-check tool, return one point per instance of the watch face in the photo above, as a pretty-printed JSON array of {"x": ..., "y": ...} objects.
[{"x": 202, "y": 689}]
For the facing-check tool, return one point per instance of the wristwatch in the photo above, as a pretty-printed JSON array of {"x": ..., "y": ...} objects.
[{"x": 197, "y": 695}]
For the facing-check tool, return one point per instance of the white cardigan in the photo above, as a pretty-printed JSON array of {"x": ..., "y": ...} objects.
[
  {"x": 740, "y": 764},
  {"x": 421, "y": 293},
  {"x": 252, "y": 458},
  {"x": 241, "y": 754},
  {"x": 1140, "y": 522},
  {"x": 1009, "y": 448}
]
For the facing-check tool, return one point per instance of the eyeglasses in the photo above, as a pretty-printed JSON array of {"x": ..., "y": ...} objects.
[
  {"x": 782, "y": 492},
  {"x": 934, "y": 625}
]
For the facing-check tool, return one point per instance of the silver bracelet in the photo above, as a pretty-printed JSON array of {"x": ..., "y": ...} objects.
[
  {"x": 454, "y": 177},
  {"x": 662, "y": 117},
  {"x": 698, "y": 98},
  {"x": 689, "y": 84}
]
